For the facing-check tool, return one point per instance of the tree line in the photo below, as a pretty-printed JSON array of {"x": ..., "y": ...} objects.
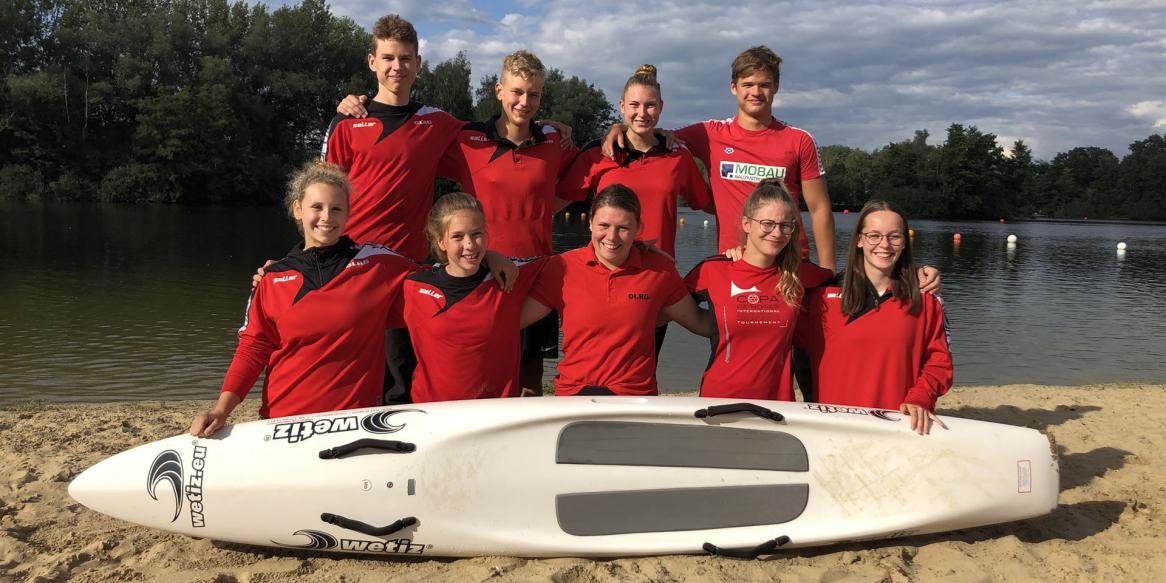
[
  {"x": 970, "y": 176},
  {"x": 208, "y": 101}
]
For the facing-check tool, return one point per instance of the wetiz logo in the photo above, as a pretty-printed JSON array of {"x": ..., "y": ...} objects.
[
  {"x": 379, "y": 422},
  {"x": 194, "y": 486},
  {"x": 322, "y": 541},
  {"x": 298, "y": 431}
]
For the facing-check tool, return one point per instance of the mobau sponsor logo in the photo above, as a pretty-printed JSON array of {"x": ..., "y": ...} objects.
[
  {"x": 750, "y": 172},
  {"x": 194, "y": 487}
]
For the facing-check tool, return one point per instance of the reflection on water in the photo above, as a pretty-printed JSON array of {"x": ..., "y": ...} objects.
[{"x": 113, "y": 303}]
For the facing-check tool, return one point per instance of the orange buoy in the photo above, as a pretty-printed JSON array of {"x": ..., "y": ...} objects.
[{"x": 956, "y": 237}]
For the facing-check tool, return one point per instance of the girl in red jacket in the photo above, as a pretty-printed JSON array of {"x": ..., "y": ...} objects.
[
  {"x": 316, "y": 321},
  {"x": 875, "y": 340}
]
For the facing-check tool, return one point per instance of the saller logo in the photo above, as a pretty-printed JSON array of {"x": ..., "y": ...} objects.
[
  {"x": 194, "y": 487},
  {"x": 428, "y": 292},
  {"x": 166, "y": 467},
  {"x": 364, "y": 124},
  {"x": 750, "y": 172},
  {"x": 283, "y": 279}
]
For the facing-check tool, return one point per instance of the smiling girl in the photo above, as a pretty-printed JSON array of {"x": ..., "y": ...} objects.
[
  {"x": 610, "y": 294},
  {"x": 463, "y": 325},
  {"x": 875, "y": 340},
  {"x": 316, "y": 322},
  {"x": 754, "y": 302}
]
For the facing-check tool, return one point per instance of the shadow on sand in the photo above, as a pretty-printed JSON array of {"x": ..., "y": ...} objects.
[{"x": 1039, "y": 419}]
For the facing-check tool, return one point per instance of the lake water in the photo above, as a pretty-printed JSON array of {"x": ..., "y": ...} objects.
[{"x": 106, "y": 302}]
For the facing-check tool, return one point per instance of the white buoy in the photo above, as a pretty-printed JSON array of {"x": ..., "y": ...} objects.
[
  {"x": 1121, "y": 246},
  {"x": 1012, "y": 239},
  {"x": 706, "y": 223},
  {"x": 1011, "y": 246}
]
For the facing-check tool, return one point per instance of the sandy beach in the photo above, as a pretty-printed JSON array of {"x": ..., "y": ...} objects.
[{"x": 1110, "y": 525}]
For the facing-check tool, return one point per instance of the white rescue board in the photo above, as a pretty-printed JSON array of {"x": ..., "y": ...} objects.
[{"x": 578, "y": 476}]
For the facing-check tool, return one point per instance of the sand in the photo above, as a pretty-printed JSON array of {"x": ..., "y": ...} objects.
[{"x": 1110, "y": 525}]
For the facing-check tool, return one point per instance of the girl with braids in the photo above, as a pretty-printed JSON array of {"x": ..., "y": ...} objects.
[
  {"x": 610, "y": 294},
  {"x": 754, "y": 302},
  {"x": 874, "y": 340},
  {"x": 464, "y": 326}
]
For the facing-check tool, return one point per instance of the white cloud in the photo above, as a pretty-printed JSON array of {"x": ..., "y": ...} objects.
[{"x": 1061, "y": 74}]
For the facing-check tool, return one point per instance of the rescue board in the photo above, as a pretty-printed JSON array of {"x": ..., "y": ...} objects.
[{"x": 578, "y": 476}]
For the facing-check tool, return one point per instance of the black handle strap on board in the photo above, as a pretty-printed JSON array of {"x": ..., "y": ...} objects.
[
  {"x": 368, "y": 443},
  {"x": 368, "y": 529},
  {"x": 764, "y": 548},
  {"x": 751, "y": 408}
]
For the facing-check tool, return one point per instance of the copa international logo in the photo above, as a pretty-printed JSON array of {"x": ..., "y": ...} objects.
[{"x": 750, "y": 172}]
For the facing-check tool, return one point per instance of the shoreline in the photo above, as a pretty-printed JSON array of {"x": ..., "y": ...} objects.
[{"x": 1108, "y": 525}]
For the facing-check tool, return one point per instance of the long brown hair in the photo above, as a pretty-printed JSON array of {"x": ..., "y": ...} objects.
[
  {"x": 904, "y": 279},
  {"x": 774, "y": 191}
]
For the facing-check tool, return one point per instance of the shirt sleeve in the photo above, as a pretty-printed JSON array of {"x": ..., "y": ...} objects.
[
  {"x": 937, "y": 371},
  {"x": 809, "y": 333},
  {"x": 674, "y": 289},
  {"x": 455, "y": 166},
  {"x": 548, "y": 286},
  {"x": 575, "y": 182},
  {"x": 397, "y": 268},
  {"x": 337, "y": 146},
  {"x": 813, "y": 276},
  {"x": 811, "y": 164},
  {"x": 258, "y": 338},
  {"x": 528, "y": 274},
  {"x": 696, "y": 190},
  {"x": 696, "y": 137},
  {"x": 566, "y": 156}
]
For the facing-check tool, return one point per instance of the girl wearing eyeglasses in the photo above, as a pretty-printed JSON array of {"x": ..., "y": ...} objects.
[
  {"x": 874, "y": 340},
  {"x": 754, "y": 302}
]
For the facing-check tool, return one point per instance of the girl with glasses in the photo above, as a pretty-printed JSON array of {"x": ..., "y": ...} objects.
[
  {"x": 754, "y": 302},
  {"x": 874, "y": 339}
]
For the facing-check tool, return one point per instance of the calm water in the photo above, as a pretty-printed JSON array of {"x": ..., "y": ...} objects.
[{"x": 111, "y": 303}]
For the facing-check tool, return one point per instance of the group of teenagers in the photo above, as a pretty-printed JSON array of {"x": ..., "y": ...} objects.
[{"x": 393, "y": 297}]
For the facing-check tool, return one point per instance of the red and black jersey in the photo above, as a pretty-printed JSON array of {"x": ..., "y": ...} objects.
[
  {"x": 880, "y": 357},
  {"x": 753, "y": 327},
  {"x": 514, "y": 182},
  {"x": 737, "y": 159},
  {"x": 657, "y": 176},
  {"x": 465, "y": 333},
  {"x": 391, "y": 157},
  {"x": 316, "y": 323},
  {"x": 609, "y": 318}
]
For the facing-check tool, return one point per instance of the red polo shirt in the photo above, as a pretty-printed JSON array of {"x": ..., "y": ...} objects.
[
  {"x": 391, "y": 157},
  {"x": 609, "y": 318},
  {"x": 514, "y": 182},
  {"x": 657, "y": 176},
  {"x": 737, "y": 159}
]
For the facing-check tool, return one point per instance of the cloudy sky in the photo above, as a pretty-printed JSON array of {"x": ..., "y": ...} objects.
[{"x": 1058, "y": 74}]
